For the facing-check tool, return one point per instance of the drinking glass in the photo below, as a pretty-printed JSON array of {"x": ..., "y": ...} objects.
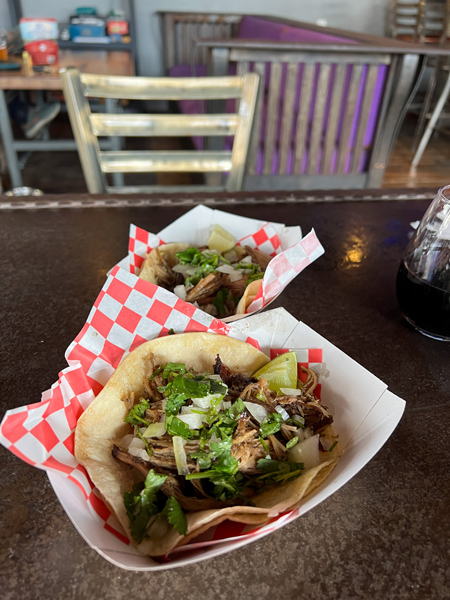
[{"x": 423, "y": 279}]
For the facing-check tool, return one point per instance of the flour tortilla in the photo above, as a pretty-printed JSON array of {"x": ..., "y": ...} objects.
[
  {"x": 101, "y": 426},
  {"x": 169, "y": 250}
]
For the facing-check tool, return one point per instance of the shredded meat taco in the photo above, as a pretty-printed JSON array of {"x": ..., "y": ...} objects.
[
  {"x": 183, "y": 437},
  {"x": 220, "y": 284}
]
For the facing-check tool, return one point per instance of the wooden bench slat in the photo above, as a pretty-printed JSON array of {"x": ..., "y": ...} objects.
[
  {"x": 369, "y": 90},
  {"x": 272, "y": 116},
  {"x": 287, "y": 118},
  {"x": 333, "y": 118},
  {"x": 303, "y": 116},
  {"x": 351, "y": 101},
  {"x": 318, "y": 118}
]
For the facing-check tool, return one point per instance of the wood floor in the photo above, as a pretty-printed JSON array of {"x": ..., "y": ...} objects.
[{"x": 60, "y": 172}]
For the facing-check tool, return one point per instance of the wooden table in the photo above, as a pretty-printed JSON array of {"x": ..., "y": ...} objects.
[
  {"x": 384, "y": 535},
  {"x": 99, "y": 62}
]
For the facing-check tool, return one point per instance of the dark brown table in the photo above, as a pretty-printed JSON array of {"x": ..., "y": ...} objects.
[{"x": 384, "y": 535}]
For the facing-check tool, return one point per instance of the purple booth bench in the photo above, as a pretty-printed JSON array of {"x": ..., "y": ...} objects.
[{"x": 330, "y": 101}]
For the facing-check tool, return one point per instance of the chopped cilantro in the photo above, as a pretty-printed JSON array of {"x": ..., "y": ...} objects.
[
  {"x": 178, "y": 368},
  {"x": 174, "y": 404},
  {"x": 171, "y": 332},
  {"x": 155, "y": 373},
  {"x": 333, "y": 447},
  {"x": 185, "y": 384},
  {"x": 175, "y": 515},
  {"x": 142, "y": 503},
  {"x": 275, "y": 471},
  {"x": 204, "y": 459},
  {"x": 264, "y": 445},
  {"x": 176, "y": 427},
  {"x": 255, "y": 277},
  {"x": 136, "y": 415},
  {"x": 272, "y": 424},
  {"x": 141, "y": 437},
  {"x": 207, "y": 263},
  {"x": 219, "y": 302}
]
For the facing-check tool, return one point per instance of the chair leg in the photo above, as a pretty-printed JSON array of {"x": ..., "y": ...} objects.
[
  {"x": 426, "y": 104},
  {"x": 116, "y": 142},
  {"x": 8, "y": 144},
  {"x": 431, "y": 124}
]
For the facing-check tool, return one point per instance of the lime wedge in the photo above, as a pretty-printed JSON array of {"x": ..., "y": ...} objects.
[
  {"x": 220, "y": 240},
  {"x": 281, "y": 372}
]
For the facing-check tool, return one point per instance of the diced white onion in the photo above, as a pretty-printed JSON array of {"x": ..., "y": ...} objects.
[
  {"x": 236, "y": 276},
  {"x": 231, "y": 256},
  {"x": 306, "y": 452},
  {"x": 155, "y": 430},
  {"x": 226, "y": 405},
  {"x": 210, "y": 309},
  {"x": 137, "y": 448},
  {"x": 140, "y": 453},
  {"x": 206, "y": 401},
  {"x": 225, "y": 269},
  {"x": 126, "y": 440},
  {"x": 193, "y": 421},
  {"x": 180, "y": 455},
  {"x": 326, "y": 443},
  {"x": 192, "y": 270},
  {"x": 246, "y": 261},
  {"x": 183, "y": 269},
  {"x": 299, "y": 419},
  {"x": 291, "y": 391},
  {"x": 136, "y": 443},
  {"x": 210, "y": 252},
  {"x": 215, "y": 377},
  {"x": 282, "y": 412},
  {"x": 256, "y": 410},
  {"x": 180, "y": 291},
  {"x": 303, "y": 434}
]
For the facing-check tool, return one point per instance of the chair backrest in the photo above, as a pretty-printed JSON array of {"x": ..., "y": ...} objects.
[
  {"x": 431, "y": 21},
  {"x": 404, "y": 17},
  {"x": 324, "y": 119},
  {"x": 88, "y": 126},
  {"x": 180, "y": 31}
]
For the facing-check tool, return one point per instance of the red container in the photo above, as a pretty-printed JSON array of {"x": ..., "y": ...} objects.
[
  {"x": 116, "y": 26},
  {"x": 44, "y": 52}
]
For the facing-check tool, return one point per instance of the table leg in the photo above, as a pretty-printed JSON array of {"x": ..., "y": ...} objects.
[
  {"x": 8, "y": 144},
  {"x": 116, "y": 142}
]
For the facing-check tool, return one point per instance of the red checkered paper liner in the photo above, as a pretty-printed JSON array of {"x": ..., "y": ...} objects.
[
  {"x": 281, "y": 270},
  {"x": 127, "y": 312},
  {"x": 284, "y": 267},
  {"x": 141, "y": 242}
]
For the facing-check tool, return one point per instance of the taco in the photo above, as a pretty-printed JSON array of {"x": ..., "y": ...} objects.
[
  {"x": 220, "y": 284},
  {"x": 183, "y": 437}
]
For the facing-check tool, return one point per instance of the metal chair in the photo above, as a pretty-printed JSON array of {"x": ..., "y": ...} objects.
[
  {"x": 440, "y": 72},
  {"x": 403, "y": 20},
  {"x": 88, "y": 126}
]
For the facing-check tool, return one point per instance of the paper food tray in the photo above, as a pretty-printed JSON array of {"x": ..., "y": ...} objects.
[
  {"x": 291, "y": 252},
  {"x": 128, "y": 312}
]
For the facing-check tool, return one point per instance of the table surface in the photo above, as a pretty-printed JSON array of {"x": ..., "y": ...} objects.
[
  {"x": 384, "y": 535},
  {"x": 100, "y": 62}
]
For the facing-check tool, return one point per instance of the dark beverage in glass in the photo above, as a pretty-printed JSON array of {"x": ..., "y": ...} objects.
[
  {"x": 425, "y": 306},
  {"x": 423, "y": 279}
]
